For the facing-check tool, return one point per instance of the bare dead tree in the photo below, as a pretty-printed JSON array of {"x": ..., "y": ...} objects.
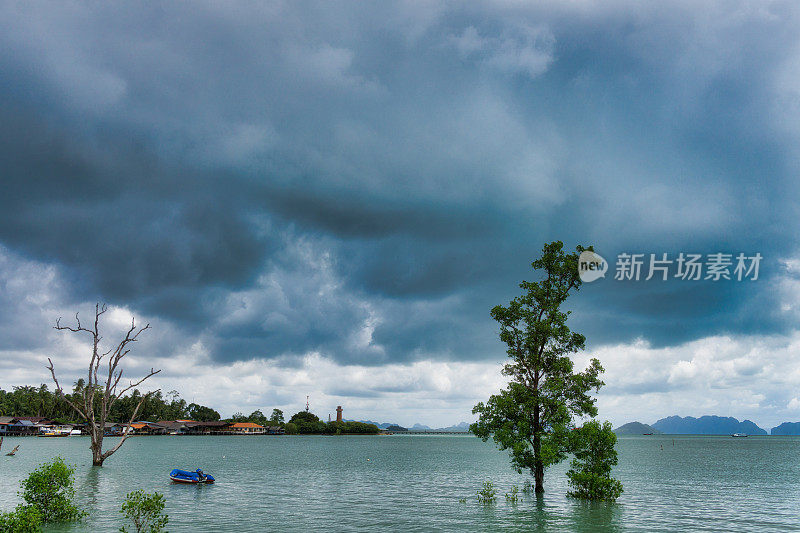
[{"x": 107, "y": 391}]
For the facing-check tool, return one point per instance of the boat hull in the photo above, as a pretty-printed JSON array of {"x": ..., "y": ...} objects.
[{"x": 190, "y": 478}]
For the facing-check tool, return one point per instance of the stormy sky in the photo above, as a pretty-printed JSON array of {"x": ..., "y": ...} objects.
[{"x": 326, "y": 199}]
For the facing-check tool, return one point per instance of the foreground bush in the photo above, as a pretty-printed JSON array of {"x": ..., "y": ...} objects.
[
  {"x": 48, "y": 492},
  {"x": 146, "y": 511},
  {"x": 24, "y": 519},
  {"x": 590, "y": 472}
]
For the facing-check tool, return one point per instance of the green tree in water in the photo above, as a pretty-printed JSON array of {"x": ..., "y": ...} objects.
[
  {"x": 590, "y": 472},
  {"x": 24, "y": 519},
  {"x": 532, "y": 417},
  {"x": 145, "y": 511},
  {"x": 48, "y": 493},
  {"x": 50, "y": 490}
]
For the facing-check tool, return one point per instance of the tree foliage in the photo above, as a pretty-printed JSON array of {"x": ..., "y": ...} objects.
[
  {"x": 590, "y": 472},
  {"x": 48, "y": 492},
  {"x": 145, "y": 511},
  {"x": 50, "y": 489},
  {"x": 532, "y": 417},
  {"x": 307, "y": 423},
  {"x": 350, "y": 428},
  {"x": 277, "y": 417},
  {"x": 23, "y": 519},
  {"x": 40, "y": 401}
]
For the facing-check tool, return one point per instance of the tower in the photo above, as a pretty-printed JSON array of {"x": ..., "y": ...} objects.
[{"x": 338, "y": 413}]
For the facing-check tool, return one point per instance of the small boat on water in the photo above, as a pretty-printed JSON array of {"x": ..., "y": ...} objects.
[
  {"x": 739, "y": 435},
  {"x": 53, "y": 434},
  {"x": 184, "y": 476}
]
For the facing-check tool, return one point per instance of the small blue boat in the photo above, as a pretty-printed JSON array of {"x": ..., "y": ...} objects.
[{"x": 184, "y": 476}]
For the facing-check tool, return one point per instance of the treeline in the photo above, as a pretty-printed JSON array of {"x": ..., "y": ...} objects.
[
  {"x": 257, "y": 417},
  {"x": 306, "y": 423},
  {"x": 40, "y": 401}
]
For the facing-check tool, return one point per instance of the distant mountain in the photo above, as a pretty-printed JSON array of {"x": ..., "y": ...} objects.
[
  {"x": 787, "y": 428},
  {"x": 635, "y": 428},
  {"x": 707, "y": 425},
  {"x": 463, "y": 426},
  {"x": 382, "y": 425}
]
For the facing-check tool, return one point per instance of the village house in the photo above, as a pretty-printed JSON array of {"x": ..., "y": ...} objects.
[
  {"x": 245, "y": 428},
  {"x": 17, "y": 426}
]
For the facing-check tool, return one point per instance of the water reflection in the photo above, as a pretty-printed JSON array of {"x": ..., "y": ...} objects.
[
  {"x": 88, "y": 486},
  {"x": 595, "y": 516}
]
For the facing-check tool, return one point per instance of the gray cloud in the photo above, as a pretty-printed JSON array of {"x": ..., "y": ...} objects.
[{"x": 367, "y": 183}]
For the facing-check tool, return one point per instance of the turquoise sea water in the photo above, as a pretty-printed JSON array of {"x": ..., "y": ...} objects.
[{"x": 414, "y": 483}]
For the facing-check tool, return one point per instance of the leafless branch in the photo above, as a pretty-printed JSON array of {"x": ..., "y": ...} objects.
[
  {"x": 60, "y": 392},
  {"x": 128, "y": 429}
]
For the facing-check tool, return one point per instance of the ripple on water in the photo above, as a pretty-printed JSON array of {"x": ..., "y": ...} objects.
[{"x": 414, "y": 483}]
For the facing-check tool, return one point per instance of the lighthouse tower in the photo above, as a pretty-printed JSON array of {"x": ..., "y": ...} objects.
[{"x": 339, "y": 413}]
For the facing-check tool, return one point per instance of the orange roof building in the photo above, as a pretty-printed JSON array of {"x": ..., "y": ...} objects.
[{"x": 246, "y": 428}]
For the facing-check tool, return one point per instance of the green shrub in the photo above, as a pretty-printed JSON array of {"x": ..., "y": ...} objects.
[
  {"x": 487, "y": 494},
  {"x": 146, "y": 511},
  {"x": 290, "y": 428},
  {"x": 24, "y": 519},
  {"x": 513, "y": 496},
  {"x": 50, "y": 490},
  {"x": 590, "y": 472}
]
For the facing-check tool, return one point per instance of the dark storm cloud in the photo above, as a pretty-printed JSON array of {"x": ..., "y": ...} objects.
[{"x": 368, "y": 181}]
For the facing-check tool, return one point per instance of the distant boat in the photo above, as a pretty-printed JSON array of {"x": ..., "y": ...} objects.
[
  {"x": 184, "y": 476},
  {"x": 739, "y": 435},
  {"x": 13, "y": 452},
  {"x": 54, "y": 434},
  {"x": 58, "y": 431},
  {"x": 646, "y": 433}
]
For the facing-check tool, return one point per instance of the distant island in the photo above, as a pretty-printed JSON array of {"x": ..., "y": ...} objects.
[
  {"x": 635, "y": 428},
  {"x": 787, "y": 428},
  {"x": 705, "y": 425}
]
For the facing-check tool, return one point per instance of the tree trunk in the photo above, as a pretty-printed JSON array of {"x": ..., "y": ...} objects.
[
  {"x": 97, "y": 447},
  {"x": 538, "y": 466},
  {"x": 539, "y": 478}
]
